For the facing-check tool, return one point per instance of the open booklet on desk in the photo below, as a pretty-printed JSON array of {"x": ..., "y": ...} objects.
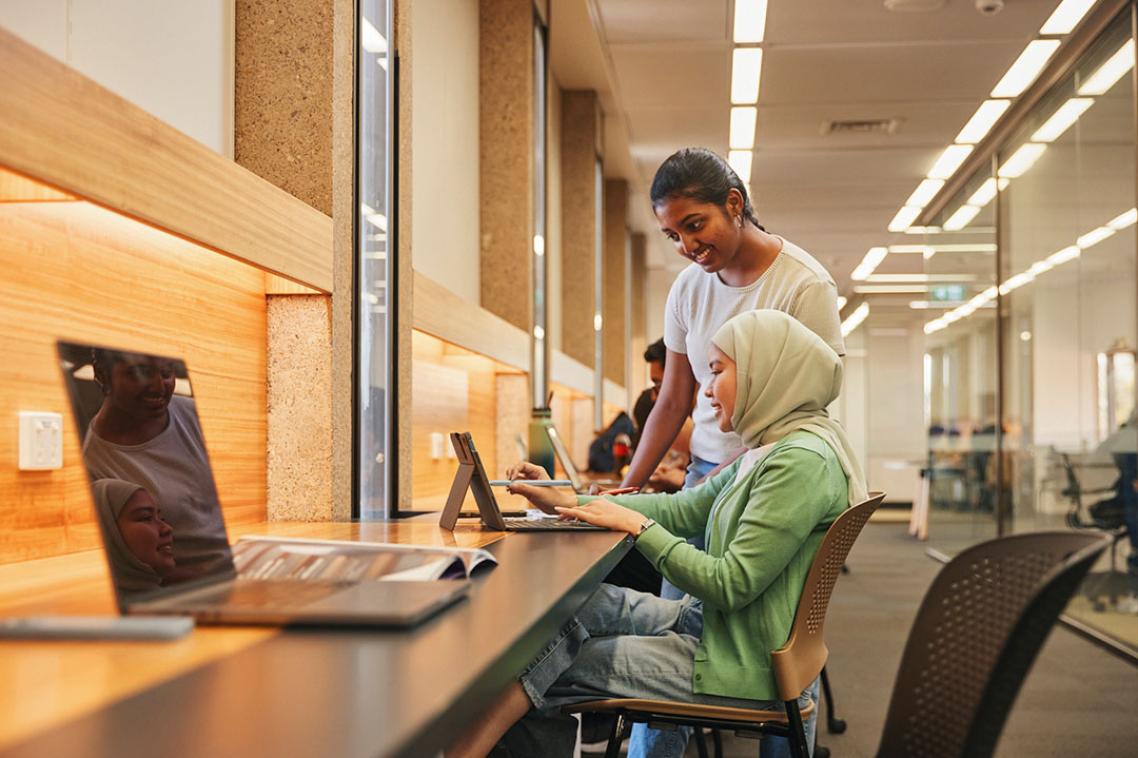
[{"x": 265, "y": 557}]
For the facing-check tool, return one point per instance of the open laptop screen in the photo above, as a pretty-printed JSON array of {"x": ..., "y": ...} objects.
[
  {"x": 563, "y": 456},
  {"x": 150, "y": 476}
]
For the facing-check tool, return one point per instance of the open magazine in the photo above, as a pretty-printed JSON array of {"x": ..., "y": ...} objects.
[{"x": 264, "y": 557}]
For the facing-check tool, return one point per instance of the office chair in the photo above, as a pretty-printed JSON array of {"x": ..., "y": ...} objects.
[
  {"x": 977, "y": 633},
  {"x": 796, "y": 664}
]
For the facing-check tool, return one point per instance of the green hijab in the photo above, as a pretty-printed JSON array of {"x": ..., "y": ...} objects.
[{"x": 785, "y": 378}]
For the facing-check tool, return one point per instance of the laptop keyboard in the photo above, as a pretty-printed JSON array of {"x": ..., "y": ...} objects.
[{"x": 548, "y": 525}]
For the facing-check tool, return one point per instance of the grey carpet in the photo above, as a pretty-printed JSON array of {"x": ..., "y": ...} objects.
[{"x": 1078, "y": 700}]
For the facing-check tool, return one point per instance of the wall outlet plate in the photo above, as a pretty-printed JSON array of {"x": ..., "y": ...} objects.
[{"x": 41, "y": 441}]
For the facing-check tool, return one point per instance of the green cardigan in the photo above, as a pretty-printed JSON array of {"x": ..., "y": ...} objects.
[{"x": 761, "y": 539}]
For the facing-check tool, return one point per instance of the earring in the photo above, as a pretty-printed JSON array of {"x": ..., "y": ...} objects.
[{"x": 739, "y": 221}]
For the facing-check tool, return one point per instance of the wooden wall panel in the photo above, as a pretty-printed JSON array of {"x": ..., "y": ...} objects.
[
  {"x": 452, "y": 389},
  {"x": 77, "y": 271}
]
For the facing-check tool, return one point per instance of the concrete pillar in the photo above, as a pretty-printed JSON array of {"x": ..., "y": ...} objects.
[
  {"x": 293, "y": 126},
  {"x": 506, "y": 158},
  {"x": 580, "y": 151},
  {"x": 615, "y": 257}
]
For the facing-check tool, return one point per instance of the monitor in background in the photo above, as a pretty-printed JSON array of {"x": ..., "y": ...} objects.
[{"x": 563, "y": 456}]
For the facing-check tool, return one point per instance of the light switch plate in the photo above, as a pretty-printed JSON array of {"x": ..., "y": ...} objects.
[
  {"x": 437, "y": 450},
  {"x": 41, "y": 441}
]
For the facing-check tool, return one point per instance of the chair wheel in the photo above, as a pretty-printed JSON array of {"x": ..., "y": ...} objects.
[
  {"x": 821, "y": 752},
  {"x": 836, "y": 726}
]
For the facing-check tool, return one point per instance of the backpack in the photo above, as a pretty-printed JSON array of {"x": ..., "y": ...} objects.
[{"x": 601, "y": 456}]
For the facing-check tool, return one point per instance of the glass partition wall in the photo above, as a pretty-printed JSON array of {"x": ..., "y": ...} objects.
[{"x": 1032, "y": 413}]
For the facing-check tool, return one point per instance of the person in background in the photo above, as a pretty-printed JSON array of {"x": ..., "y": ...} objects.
[
  {"x": 669, "y": 474},
  {"x": 764, "y": 517}
]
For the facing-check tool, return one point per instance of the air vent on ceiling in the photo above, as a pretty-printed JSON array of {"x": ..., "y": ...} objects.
[{"x": 861, "y": 126}]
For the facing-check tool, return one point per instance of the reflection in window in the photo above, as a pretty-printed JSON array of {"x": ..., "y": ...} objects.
[{"x": 373, "y": 229}]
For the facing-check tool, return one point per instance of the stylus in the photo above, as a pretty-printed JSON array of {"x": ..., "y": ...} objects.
[{"x": 532, "y": 482}]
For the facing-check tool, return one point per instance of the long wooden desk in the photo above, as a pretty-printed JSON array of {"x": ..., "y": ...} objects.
[{"x": 254, "y": 691}]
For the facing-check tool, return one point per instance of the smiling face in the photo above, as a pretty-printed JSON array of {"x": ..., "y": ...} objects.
[
  {"x": 721, "y": 388},
  {"x": 149, "y": 538},
  {"x": 704, "y": 233},
  {"x": 141, "y": 387}
]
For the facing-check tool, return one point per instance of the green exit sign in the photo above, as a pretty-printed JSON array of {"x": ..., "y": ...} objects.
[{"x": 947, "y": 292}]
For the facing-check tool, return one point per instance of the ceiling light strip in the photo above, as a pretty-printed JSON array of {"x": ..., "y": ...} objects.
[{"x": 1012, "y": 283}]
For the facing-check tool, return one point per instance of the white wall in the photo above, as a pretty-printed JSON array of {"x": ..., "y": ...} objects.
[
  {"x": 173, "y": 58},
  {"x": 896, "y": 438},
  {"x": 444, "y": 161}
]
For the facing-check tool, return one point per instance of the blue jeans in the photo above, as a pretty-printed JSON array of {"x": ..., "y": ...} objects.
[
  {"x": 622, "y": 643},
  {"x": 658, "y": 743}
]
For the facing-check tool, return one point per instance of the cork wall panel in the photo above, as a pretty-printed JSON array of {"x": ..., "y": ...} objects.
[
  {"x": 299, "y": 408},
  {"x": 578, "y": 194},
  {"x": 615, "y": 274},
  {"x": 283, "y": 90},
  {"x": 506, "y": 138},
  {"x": 80, "y": 272}
]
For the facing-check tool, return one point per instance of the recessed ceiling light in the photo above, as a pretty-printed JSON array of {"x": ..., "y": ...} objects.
[
  {"x": 982, "y": 121},
  {"x": 1066, "y": 17},
  {"x": 855, "y": 320},
  {"x": 925, "y": 192},
  {"x": 743, "y": 127},
  {"x": 1062, "y": 119},
  {"x": 750, "y": 20},
  {"x": 1123, "y": 220},
  {"x": 962, "y": 218},
  {"x": 918, "y": 278},
  {"x": 890, "y": 289},
  {"x": 1026, "y": 67},
  {"x": 1108, "y": 74},
  {"x": 842, "y": 302},
  {"x": 949, "y": 161},
  {"x": 746, "y": 70},
  {"x": 984, "y": 194},
  {"x": 1021, "y": 160},
  {"x": 1093, "y": 237},
  {"x": 872, "y": 260},
  {"x": 740, "y": 161},
  {"x": 907, "y": 215}
]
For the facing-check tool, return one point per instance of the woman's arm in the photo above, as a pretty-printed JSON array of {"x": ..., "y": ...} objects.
[
  {"x": 797, "y": 491},
  {"x": 673, "y": 405},
  {"x": 683, "y": 514}
]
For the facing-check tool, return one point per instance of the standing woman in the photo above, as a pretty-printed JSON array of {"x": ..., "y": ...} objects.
[{"x": 737, "y": 266}]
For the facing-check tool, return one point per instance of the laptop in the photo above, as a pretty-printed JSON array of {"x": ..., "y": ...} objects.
[
  {"x": 161, "y": 523},
  {"x": 471, "y": 475},
  {"x": 580, "y": 483}
]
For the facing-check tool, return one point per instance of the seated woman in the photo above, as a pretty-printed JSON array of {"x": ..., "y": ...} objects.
[
  {"x": 764, "y": 517},
  {"x": 139, "y": 543}
]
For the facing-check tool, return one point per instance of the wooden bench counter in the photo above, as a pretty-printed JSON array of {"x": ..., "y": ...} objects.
[{"x": 261, "y": 691}]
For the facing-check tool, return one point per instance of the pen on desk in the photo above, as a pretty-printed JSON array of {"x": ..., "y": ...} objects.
[{"x": 533, "y": 482}]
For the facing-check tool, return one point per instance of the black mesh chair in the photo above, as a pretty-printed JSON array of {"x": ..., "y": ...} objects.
[{"x": 977, "y": 633}]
